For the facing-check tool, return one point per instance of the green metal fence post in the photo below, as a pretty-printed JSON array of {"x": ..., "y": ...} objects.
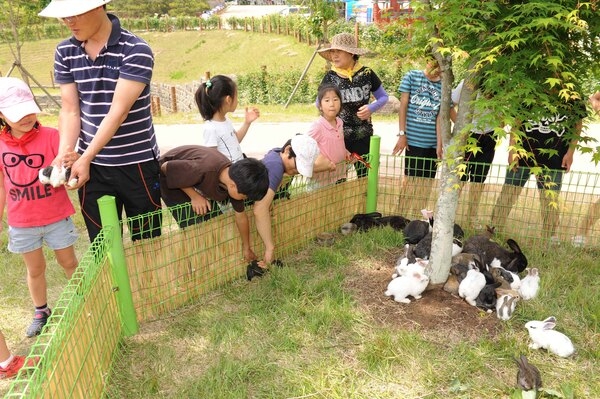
[
  {"x": 373, "y": 177},
  {"x": 116, "y": 257}
]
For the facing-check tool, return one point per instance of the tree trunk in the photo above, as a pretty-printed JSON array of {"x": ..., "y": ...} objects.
[{"x": 453, "y": 143}]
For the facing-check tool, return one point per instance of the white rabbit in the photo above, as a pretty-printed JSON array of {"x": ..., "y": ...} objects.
[
  {"x": 403, "y": 268},
  {"x": 505, "y": 306},
  {"x": 470, "y": 287},
  {"x": 543, "y": 336},
  {"x": 530, "y": 284},
  {"x": 413, "y": 284}
]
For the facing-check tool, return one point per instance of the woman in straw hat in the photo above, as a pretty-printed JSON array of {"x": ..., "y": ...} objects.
[{"x": 356, "y": 83}]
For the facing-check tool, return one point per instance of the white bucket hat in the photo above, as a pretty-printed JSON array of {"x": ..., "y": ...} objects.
[
  {"x": 345, "y": 42},
  {"x": 307, "y": 151},
  {"x": 70, "y": 8},
  {"x": 16, "y": 99}
]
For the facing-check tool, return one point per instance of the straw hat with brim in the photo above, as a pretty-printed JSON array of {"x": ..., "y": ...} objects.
[
  {"x": 344, "y": 42},
  {"x": 70, "y": 8}
]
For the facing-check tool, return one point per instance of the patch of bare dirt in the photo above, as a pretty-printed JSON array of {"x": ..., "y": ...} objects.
[{"x": 437, "y": 314}]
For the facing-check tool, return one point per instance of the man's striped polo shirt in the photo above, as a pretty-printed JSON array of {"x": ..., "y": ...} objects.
[{"x": 125, "y": 56}]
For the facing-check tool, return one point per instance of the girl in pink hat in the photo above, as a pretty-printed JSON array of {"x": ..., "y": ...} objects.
[{"x": 36, "y": 213}]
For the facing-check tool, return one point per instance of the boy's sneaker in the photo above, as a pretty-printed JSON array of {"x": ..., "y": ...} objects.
[
  {"x": 13, "y": 367},
  {"x": 40, "y": 318}
]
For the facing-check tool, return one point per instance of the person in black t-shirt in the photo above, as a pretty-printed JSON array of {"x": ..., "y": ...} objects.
[
  {"x": 551, "y": 140},
  {"x": 356, "y": 84}
]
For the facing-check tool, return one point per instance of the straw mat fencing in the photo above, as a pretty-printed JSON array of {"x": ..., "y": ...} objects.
[{"x": 75, "y": 352}]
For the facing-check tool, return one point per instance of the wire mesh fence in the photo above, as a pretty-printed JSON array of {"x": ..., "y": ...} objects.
[
  {"x": 559, "y": 212},
  {"x": 73, "y": 355}
]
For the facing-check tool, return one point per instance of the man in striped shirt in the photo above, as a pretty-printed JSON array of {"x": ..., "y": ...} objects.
[{"x": 104, "y": 73}]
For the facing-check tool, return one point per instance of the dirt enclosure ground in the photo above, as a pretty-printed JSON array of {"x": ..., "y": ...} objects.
[{"x": 441, "y": 316}]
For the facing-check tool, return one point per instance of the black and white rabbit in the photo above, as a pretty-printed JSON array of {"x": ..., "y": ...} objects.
[
  {"x": 415, "y": 230},
  {"x": 396, "y": 222},
  {"x": 486, "y": 299},
  {"x": 423, "y": 247},
  {"x": 543, "y": 336},
  {"x": 412, "y": 284},
  {"x": 530, "y": 284},
  {"x": 407, "y": 254},
  {"x": 511, "y": 259},
  {"x": 56, "y": 176},
  {"x": 502, "y": 276},
  {"x": 361, "y": 222},
  {"x": 505, "y": 306},
  {"x": 470, "y": 287},
  {"x": 515, "y": 280}
]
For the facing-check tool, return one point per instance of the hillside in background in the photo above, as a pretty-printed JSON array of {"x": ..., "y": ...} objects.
[{"x": 185, "y": 56}]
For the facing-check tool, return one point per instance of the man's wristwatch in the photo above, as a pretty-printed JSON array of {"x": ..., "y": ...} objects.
[{"x": 401, "y": 133}]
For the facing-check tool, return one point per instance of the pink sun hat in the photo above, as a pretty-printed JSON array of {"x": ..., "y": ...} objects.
[{"x": 16, "y": 99}]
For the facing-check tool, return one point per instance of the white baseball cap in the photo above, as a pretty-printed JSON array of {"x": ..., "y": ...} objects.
[
  {"x": 70, "y": 8},
  {"x": 16, "y": 99},
  {"x": 307, "y": 151}
]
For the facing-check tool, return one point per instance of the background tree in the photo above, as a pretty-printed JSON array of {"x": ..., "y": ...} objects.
[
  {"x": 530, "y": 55},
  {"x": 322, "y": 15},
  {"x": 14, "y": 16}
]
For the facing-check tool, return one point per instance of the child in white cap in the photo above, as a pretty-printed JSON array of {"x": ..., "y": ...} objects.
[
  {"x": 297, "y": 156},
  {"x": 36, "y": 213}
]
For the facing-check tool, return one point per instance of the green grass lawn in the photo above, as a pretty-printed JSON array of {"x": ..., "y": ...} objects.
[{"x": 301, "y": 332}]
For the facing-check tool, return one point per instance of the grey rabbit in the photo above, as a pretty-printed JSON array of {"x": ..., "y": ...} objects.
[{"x": 528, "y": 376}]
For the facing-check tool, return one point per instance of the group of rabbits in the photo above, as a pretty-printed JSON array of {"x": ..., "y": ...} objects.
[{"x": 486, "y": 274}]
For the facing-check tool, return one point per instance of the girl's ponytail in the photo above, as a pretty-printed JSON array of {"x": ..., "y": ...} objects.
[{"x": 211, "y": 94}]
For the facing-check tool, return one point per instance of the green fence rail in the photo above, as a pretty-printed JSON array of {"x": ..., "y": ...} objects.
[{"x": 120, "y": 283}]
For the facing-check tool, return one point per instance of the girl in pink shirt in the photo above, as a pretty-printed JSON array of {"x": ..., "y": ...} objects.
[
  {"x": 36, "y": 213},
  {"x": 329, "y": 134}
]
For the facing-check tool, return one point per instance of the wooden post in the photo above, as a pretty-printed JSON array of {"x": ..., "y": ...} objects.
[
  {"x": 173, "y": 99},
  {"x": 155, "y": 106},
  {"x": 206, "y": 76},
  {"x": 51, "y": 78}
]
